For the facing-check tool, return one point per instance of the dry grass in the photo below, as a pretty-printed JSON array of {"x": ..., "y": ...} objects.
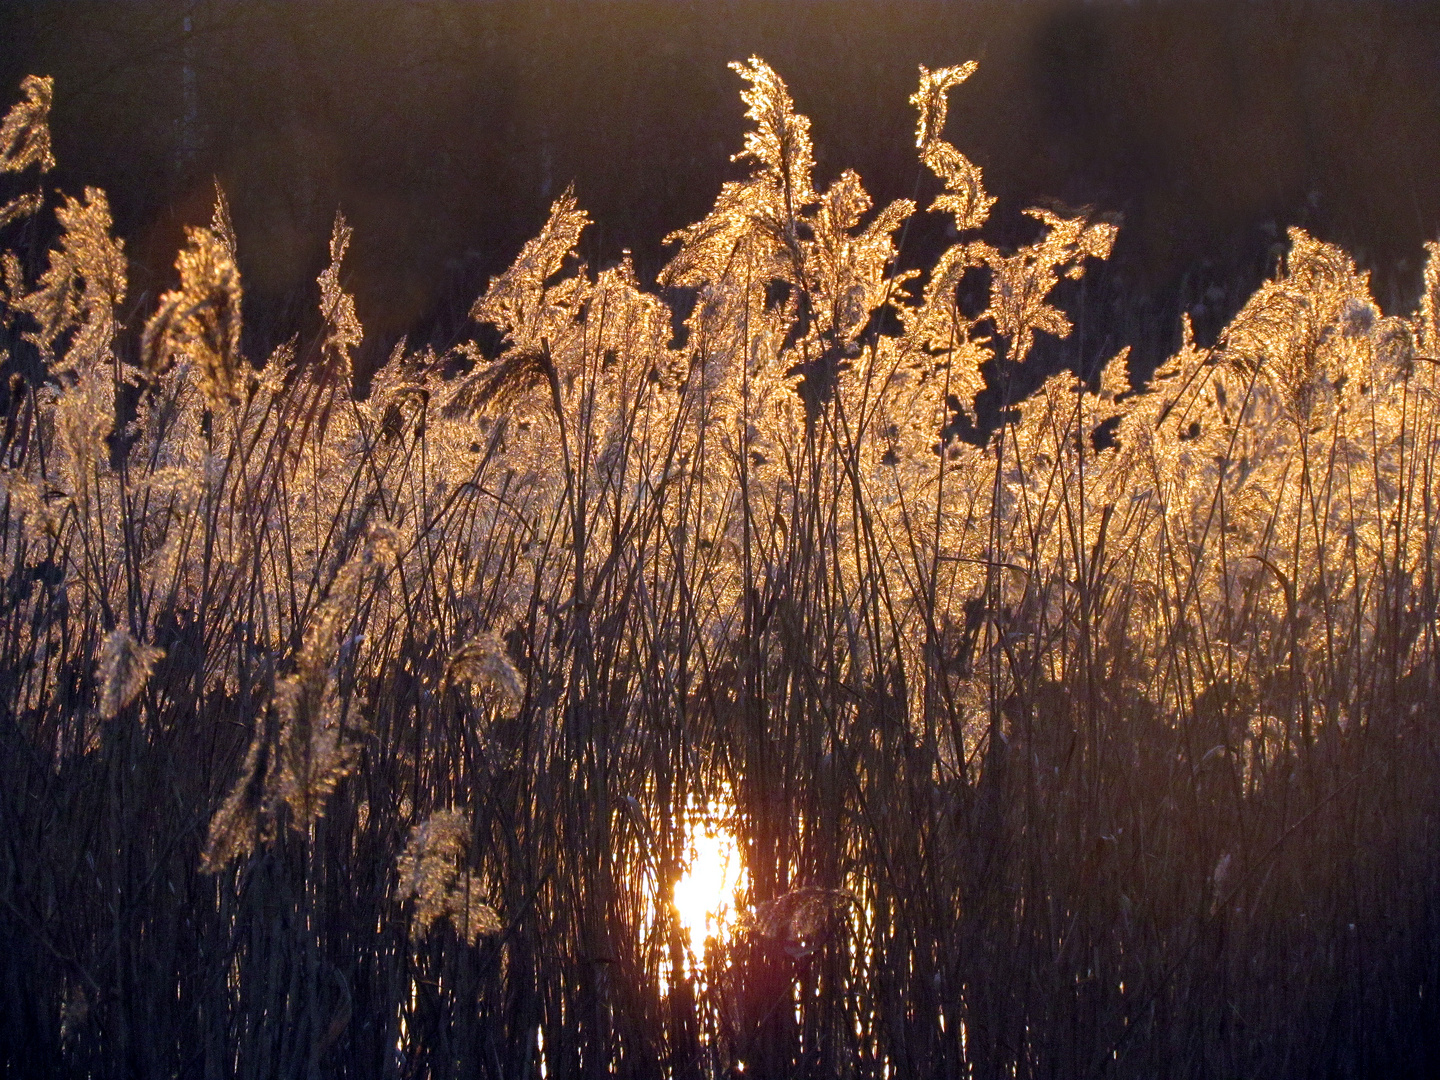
[{"x": 357, "y": 737}]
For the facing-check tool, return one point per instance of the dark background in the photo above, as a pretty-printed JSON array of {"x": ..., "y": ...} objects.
[{"x": 444, "y": 130}]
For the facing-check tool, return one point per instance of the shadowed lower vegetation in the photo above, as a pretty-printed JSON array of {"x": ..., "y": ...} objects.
[{"x": 358, "y": 730}]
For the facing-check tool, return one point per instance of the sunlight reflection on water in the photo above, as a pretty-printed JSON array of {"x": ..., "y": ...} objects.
[{"x": 707, "y": 896}]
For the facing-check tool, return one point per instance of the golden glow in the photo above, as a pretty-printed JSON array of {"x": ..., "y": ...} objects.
[{"x": 707, "y": 896}]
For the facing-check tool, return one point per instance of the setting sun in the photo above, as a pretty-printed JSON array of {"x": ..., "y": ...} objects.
[{"x": 706, "y": 897}]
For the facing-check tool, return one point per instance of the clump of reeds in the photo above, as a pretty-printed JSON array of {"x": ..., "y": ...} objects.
[{"x": 1048, "y": 754}]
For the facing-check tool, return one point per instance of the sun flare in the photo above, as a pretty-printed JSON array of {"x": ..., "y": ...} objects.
[{"x": 707, "y": 896}]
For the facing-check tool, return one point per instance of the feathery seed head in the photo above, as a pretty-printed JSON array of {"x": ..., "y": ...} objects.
[
  {"x": 514, "y": 299},
  {"x": 1357, "y": 317},
  {"x": 343, "y": 332},
  {"x": 124, "y": 666},
  {"x": 244, "y": 819},
  {"x": 83, "y": 285},
  {"x": 25, "y": 132},
  {"x": 220, "y": 223},
  {"x": 964, "y": 195},
  {"x": 430, "y": 876},
  {"x": 22, "y": 206},
  {"x": 780, "y": 143},
  {"x": 798, "y": 917},
  {"x": 484, "y": 663},
  {"x": 931, "y": 102},
  {"x": 200, "y": 321}
]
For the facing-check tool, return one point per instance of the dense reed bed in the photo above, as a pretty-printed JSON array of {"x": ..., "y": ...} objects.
[{"x": 357, "y": 730}]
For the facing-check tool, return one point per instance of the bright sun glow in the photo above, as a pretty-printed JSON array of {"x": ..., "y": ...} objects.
[{"x": 707, "y": 896}]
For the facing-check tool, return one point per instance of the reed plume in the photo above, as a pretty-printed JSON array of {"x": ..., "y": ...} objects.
[{"x": 25, "y": 131}]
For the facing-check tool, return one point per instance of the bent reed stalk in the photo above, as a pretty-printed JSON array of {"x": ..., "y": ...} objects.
[{"x": 359, "y": 736}]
